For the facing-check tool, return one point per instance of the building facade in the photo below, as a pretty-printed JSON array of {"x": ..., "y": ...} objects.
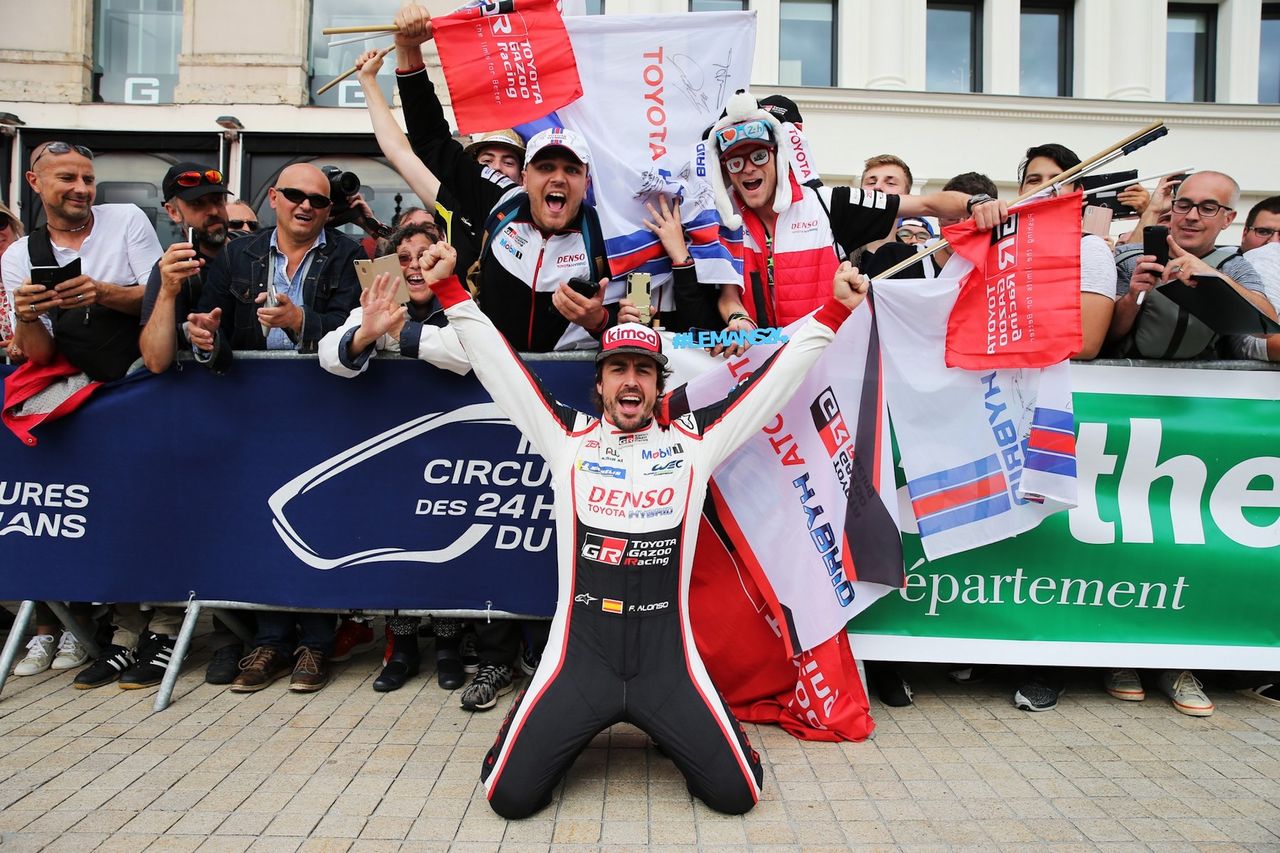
[{"x": 963, "y": 85}]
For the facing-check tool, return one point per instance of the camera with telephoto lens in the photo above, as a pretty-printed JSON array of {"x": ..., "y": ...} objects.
[{"x": 343, "y": 185}]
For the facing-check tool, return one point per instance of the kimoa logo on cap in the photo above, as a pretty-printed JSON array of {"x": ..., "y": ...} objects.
[{"x": 632, "y": 335}]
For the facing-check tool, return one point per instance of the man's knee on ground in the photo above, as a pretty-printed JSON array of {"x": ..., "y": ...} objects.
[
  {"x": 736, "y": 801},
  {"x": 515, "y": 805}
]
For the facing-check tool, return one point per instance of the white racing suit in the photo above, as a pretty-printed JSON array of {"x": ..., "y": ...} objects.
[{"x": 627, "y": 510}]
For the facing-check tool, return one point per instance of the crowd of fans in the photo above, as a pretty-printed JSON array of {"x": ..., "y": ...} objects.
[{"x": 232, "y": 287}]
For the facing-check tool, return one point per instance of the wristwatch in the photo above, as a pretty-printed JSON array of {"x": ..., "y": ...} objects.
[{"x": 975, "y": 200}]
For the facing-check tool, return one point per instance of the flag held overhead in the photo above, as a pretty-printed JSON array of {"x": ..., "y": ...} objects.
[{"x": 506, "y": 63}]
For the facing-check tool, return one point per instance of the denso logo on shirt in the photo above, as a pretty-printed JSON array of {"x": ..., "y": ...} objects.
[
  {"x": 571, "y": 260},
  {"x": 806, "y": 225},
  {"x": 623, "y": 499}
]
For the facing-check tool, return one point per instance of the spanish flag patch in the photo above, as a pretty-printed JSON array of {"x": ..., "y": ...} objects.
[{"x": 611, "y": 605}]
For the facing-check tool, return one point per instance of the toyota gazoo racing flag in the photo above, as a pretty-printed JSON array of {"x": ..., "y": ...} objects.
[
  {"x": 1003, "y": 458},
  {"x": 506, "y": 62},
  {"x": 809, "y": 502},
  {"x": 1020, "y": 305},
  {"x": 652, "y": 84}
]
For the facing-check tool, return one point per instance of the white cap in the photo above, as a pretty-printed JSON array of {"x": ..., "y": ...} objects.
[{"x": 559, "y": 137}]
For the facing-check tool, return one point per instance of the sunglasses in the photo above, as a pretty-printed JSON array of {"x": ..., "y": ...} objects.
[
  {"x": 297, "y": 196},
  {"x": 242, "y": 224},
  {"x": 195, "y": 179},
  {"x": 60, "y": 148},
  {"x": 736, "y": 164}
]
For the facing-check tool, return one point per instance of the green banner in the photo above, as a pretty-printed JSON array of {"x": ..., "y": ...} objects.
[{"x": 1171, "y": 558}]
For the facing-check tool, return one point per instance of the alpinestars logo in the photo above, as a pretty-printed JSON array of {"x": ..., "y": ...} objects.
[{"x": 604, "y": 549}]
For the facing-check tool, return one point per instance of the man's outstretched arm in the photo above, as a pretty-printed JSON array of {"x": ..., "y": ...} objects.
[
  {"x": 752, "y": 404},
  {"x": 537, "y": 414}
]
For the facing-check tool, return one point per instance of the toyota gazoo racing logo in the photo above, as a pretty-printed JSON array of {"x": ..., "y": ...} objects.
[
  {"x": 651, "y": 552},
  {"x": 604, "y": 549},
  {"x": 835, "y": 435},
  {"x": 461, "y": 503}
]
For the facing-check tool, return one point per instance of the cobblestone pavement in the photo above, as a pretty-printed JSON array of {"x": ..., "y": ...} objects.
[{"x": 349, "y": 769}]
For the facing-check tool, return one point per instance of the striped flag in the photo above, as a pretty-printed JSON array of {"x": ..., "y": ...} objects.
[{"x": 1006, "y": 457}]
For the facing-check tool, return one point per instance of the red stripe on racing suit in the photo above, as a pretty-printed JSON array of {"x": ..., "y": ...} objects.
[{"x": 621, "y": 647}]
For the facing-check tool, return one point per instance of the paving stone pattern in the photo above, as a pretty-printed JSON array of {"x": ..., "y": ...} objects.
[{"x": 350, "y": 769}]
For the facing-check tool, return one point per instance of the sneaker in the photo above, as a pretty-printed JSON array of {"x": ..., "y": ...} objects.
[
  {"x": 890, "y": 688},
  {"x": 1036, "y": 696},
  {"x": 106, "y": 669},
  {"x": 310, "y": 673},
  {"x": 975, "y": 674},
  {"x": 259, "y": 668},
  {"x": 467, "y": 651},
  {"x": 1187, "y": 693},
  {"x": 529, "y": 660},
  {"x": 353, "y": 638},
  {"x": 1124, "y": 684},
  {"x": 492, "y": 681},
  {"x": 71, "y": 653},
  {"x": 1264, "y": 693},
  {"x": 154, "y": 655},
  {"x": 39, "y": 656},
  {"x": 225, "y": 665}
]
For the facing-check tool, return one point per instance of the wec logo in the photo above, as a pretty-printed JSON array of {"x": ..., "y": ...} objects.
[{"x": 604, "y": 549}]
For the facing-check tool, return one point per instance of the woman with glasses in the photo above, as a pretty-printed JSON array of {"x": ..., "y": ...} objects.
[{"x": 413, "y": 328}]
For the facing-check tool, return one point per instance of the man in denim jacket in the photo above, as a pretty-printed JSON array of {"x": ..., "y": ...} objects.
[
  {"x": 314, "y": 280},
  {"x": 314, "y": 287}
]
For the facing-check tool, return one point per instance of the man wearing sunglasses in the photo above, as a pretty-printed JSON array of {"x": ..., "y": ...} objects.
[
  {"x": 91, "y": 319},
  {"x": 795, "y": 236},
  {"x": 308, "y": 271},
  {"x": 313, "y": 284},
  {"x": 1204, "y": 206},
  {"x": 195, "y": 197},
  {"x": 241, "y": 220}
]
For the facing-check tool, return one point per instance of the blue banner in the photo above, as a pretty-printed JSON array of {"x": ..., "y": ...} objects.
[{"x": 280, "y": 484}]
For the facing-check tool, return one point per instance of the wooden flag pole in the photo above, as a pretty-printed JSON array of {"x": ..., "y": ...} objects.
[
  {"x": 367, "y": 28},
  {"x": 345, "y": 74},
  {"x": 1128, "y": 145}
]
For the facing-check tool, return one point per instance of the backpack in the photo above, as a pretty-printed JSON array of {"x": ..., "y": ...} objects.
[
  {"x": 98, "y": 340},
  {"x": 1163, "y": 329}
]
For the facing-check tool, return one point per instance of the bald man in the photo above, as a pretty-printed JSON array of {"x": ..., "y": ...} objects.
[
  {"x": 314, "y": 284},
  {"x": 115, "y": 246}
]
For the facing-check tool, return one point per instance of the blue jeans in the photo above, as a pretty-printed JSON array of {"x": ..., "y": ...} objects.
[{"x": 287, "y": 631}]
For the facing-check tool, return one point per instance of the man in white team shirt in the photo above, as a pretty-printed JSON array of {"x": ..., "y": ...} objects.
[{"x": 91, "y": 318}]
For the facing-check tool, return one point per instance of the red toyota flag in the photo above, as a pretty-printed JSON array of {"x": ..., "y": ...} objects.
[
  {"x": 816, "y": 695},
  {"x": 506, "y": 62},
  {"x": 1020, "y": 306}
]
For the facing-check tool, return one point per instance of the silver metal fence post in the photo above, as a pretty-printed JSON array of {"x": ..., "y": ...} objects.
[
  {"x": 85, "y": 637},
  {"x": 180, "y": 647},
  {"x": 16, "y": 633}
]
